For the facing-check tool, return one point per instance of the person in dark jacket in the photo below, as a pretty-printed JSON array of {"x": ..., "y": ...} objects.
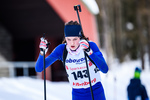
[{"x": 136, "y": 90}]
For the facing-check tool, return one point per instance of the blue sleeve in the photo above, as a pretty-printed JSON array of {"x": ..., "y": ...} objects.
[
  {"x": 56, "y": 54},
  {"x": 98, "y": 58}
]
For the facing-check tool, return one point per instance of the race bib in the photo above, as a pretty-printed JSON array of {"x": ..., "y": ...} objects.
[{"x": 77, "y": 71}]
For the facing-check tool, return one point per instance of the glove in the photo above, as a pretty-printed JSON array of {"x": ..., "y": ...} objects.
[
  {"x": 85, "y": 46},
  {"x": 43, "y": 46}
]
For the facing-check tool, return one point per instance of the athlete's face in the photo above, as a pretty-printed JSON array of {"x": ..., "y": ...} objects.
[{"x": 72, "y": 42}]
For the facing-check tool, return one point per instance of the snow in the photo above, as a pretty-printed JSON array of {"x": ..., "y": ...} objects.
[
  {"x": 129, "y": 26},
  {"x": 92, "y": 6},
  {"x": 25, "y": 88},
  {"x": 115, "y": 83}
]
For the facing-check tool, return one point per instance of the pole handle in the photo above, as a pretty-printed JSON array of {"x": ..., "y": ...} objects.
[{"x": 77, "y": 7}]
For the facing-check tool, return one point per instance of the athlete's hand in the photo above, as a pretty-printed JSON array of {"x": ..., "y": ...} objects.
[
  {"x": 43, "y": 46},
  {"x": 84, "y": 44}
]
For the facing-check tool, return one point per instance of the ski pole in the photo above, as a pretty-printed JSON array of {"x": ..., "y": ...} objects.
[
  {"x": 76, "y": 8},
  {"x": 44, "y": 70}
]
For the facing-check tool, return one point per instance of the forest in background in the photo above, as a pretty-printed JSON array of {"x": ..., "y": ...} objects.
[{"x": 124, "y": 27}]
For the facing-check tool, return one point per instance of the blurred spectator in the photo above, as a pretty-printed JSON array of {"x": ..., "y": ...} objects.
[{"x": 136, "y": 90}]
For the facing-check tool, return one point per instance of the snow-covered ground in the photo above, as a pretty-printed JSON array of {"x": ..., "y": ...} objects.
[{"x": 115, "y": 83}]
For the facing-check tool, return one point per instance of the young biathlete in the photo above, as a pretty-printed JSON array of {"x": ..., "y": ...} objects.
[{"x": 75, "y": 43}]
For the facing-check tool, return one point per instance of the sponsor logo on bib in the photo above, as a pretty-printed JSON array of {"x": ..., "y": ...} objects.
[{"x": 75, "y": 60}]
